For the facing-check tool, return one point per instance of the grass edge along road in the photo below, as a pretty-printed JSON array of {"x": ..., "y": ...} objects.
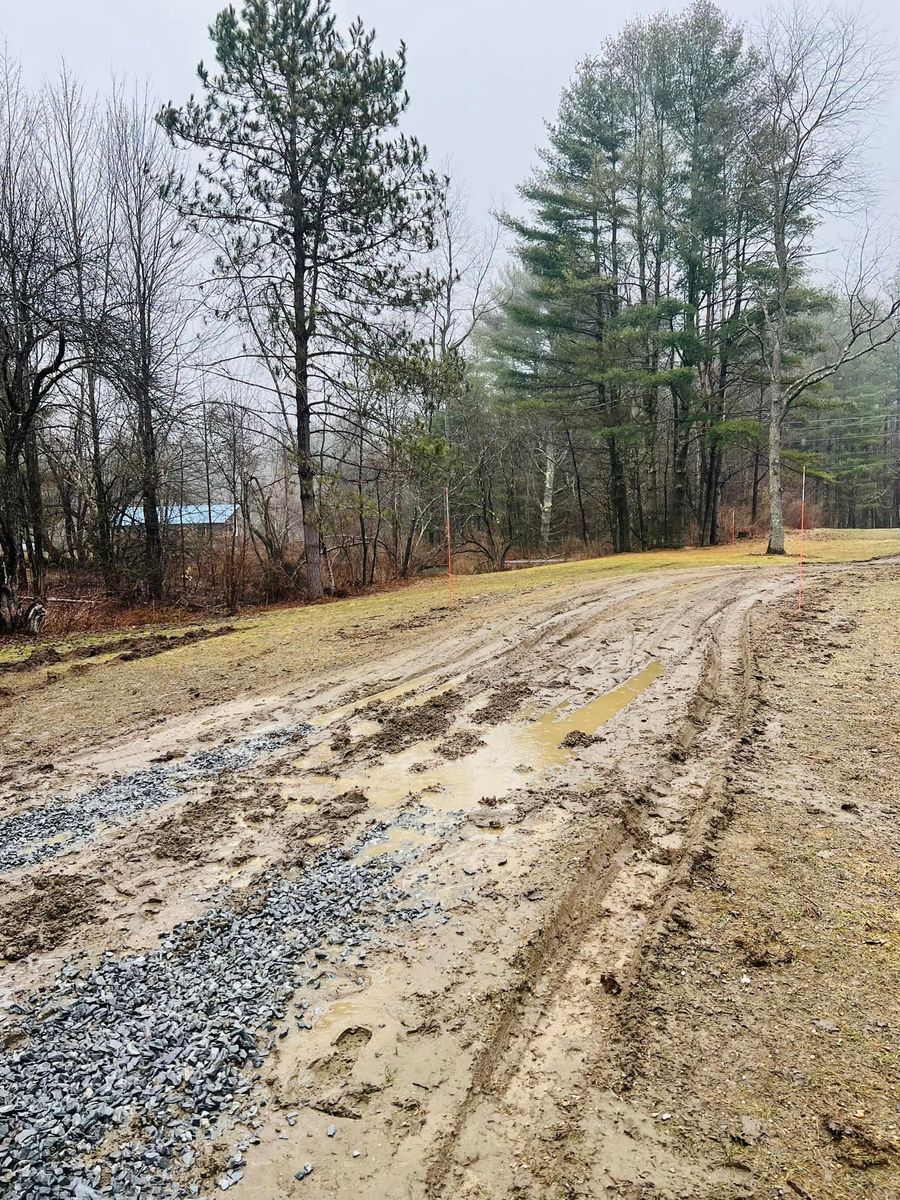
[
  {"x": 88, "y": 689},
  {"x": 428, "y": 595}
]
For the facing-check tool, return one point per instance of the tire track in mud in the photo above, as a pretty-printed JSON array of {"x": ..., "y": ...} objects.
[
  {"x": 597, "y": 633},
  {"x": 550, "y": 952},
  {"x": 535, "y": 652},
  {"x": 582, "y": 936},
  {"x": 483, "y": 654},
  {"x": 577, "y": 627}
]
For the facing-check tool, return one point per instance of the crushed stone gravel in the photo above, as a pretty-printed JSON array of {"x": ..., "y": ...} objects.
[
  {"x": 111, "y": 1076},
  {"x": 39, "y": 834}
]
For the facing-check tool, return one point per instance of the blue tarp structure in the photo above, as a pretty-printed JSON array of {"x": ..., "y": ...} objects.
[{"x": 187, "y": 514}]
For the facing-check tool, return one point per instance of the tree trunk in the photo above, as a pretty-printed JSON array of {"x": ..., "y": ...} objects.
[
  {"x": 35, "y": 504},
  {"x": 650, "y": 406},
  {"x": 679, "y": 492},
  {"x": 547, "y": 502},
  {"x": 10, "y": 543},
  {"x": 153, "y": 547},
  {"x": 619, "y": 486},
  {"x": 716, "y": 506},
  {"x": 776, "y": 509},
  {"x": 308, "y": 506},
  {"x": 303, "y": 331},
  {"x": 680, "y": 453},
  {"x": 11, "y": 506},
  {"x": 103, "y": 540},
  {"x": 776, "y": 399},
  {"x": 582, "y": 516},
  {"x": 776, "y": 417}
]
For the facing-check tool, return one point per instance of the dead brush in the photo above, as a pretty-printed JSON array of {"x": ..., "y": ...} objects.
[{"x": 767, "y": 948}]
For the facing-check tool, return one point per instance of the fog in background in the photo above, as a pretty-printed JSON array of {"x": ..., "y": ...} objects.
[{"x": 484, "y": 75}]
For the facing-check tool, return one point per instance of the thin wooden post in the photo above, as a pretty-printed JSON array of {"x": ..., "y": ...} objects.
[
  {"x": 802, "y": 541},
  {"x": 450, "y": 600}
]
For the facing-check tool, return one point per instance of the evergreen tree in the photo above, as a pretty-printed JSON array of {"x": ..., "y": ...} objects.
[
  {"x": 317, "y": 204},
  {"x": 635, "y": 254}
]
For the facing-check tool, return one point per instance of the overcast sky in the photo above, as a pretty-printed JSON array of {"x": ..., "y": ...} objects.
[{"x": 483, "y": 74}]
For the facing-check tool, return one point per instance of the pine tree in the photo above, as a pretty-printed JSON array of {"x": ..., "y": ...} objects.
[
  {"x": 317, "y": 204},
  {"x": 634, "y": 249}
]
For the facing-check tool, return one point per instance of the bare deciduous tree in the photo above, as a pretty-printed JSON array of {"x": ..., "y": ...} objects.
[
  {"x": 150, "y": 268},
  {"x": 822, "y": 74},
  {"x": 35, "y": 322}
]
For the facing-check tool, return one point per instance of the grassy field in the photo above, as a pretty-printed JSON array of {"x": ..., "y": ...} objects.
[{"x": 408, "y": 603}]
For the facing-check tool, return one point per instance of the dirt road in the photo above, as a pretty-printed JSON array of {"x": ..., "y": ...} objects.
[{"x": 587, "y": 891}]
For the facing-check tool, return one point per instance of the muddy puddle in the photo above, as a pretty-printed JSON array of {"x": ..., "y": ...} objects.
[
  {"x": 397, "y": 839},
  {"x": 550, "y": 732},
  {"x": 504, "y": 758}
]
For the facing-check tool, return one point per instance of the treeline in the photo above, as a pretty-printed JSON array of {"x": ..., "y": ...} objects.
[
  {"x": 664, "y": 309},
  {"x": 249, "y": 345}
]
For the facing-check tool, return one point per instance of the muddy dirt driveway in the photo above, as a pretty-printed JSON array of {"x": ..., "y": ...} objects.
[{"x": 378, "y": 933}]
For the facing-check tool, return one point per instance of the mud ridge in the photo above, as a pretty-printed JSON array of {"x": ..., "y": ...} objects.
[
  {"x": 699, "y": 708},
  {"x": 128, "y": 649},
  {"x": 548, "y": 954},
  {"x": 707, "y": 822}
]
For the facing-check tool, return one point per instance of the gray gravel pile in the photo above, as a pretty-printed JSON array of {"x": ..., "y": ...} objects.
[
  {"x": 134, "y": 1062},
  {"x": 40, "y": 834}
]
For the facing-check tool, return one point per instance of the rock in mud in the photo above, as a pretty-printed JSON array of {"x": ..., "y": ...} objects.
[
  {"x": 460, "y": 744},
  {"x": 578, "y": 740},
  {"x": 347, "y": 805},
  {"x": 746, "y": 1131}
]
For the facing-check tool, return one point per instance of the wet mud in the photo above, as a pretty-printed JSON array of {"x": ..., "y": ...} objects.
[{"x": 504, "y": 849}]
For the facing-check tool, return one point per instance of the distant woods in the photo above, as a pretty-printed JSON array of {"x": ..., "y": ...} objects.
[
  {"x": 663, "y": 319},
  {"x": 246, "y": 343}
]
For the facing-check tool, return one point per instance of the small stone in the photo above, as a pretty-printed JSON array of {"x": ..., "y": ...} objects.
[
  {"x": 306, "y": 1169},
  {"x": 826, "y": 1026},
  {"x": 331, "y": 1131},
  {"x": 747, "y": 1132}
]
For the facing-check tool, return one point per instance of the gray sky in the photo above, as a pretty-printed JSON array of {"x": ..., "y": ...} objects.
[{"x": 483, "y": 74}]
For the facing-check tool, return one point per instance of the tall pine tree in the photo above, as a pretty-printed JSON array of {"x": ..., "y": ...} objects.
[{"x": 317, "y": 204}]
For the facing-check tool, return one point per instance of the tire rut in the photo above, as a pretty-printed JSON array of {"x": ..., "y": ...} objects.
[{"x": 696, "y": 757}]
